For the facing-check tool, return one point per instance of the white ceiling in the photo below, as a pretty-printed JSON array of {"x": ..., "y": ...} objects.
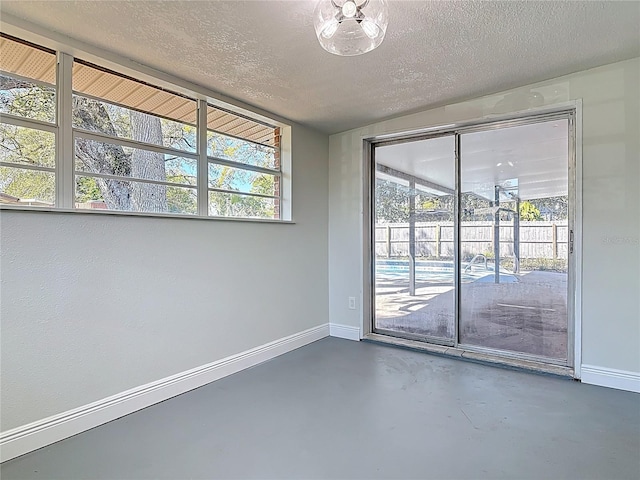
[
  {"x": 432, "y": 160},
  {"x": 265, "y": 52},
  {"x": 533, "y": 157}
]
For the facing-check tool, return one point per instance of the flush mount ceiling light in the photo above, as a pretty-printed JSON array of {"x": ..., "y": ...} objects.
[{"x": 350, "y": 27}]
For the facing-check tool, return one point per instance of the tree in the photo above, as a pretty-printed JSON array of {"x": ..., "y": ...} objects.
[
  {"x": 553, "y": 208},
  {"x": 147, "y": 197},
  {"x": 392, "y": 202},
  {"x": 87, "y": 190},
  {"x": 25, "y": 146},
  {"x": 529, "y": 212},
  {"x": 241, "y": 181},
  {"x": 181, "y": 200},
  {"x": 27, "y": 184},
  {"x": 26, "y": 100},
  {"x": 102, "y": 157},
  {"x": 95, "y": 157}
]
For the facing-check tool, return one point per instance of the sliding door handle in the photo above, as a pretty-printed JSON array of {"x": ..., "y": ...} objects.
[{"x": 570, "y": 241}]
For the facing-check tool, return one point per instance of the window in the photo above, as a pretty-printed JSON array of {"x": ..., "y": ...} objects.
[
  {"x": 122, "y": 144},
  {"x": 27, "y": 124},
  {"x": 243, "y": 166},
  {"x": 134, "y": 145}
]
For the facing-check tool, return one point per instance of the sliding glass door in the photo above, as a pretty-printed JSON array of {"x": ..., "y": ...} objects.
[
  {"x": 414, "y": 264},
  {"x": 472, "y": 237},
  {"x": 513, "y": 239}
]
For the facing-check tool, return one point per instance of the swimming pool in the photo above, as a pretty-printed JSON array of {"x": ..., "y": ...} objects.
[{"x": 435, "y": 271}]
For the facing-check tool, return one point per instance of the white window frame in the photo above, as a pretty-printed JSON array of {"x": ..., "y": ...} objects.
[
  {"x": 65, "y": 134},
  {"x": 34, "y": 124},
  {"x": 213, "y": 160}
]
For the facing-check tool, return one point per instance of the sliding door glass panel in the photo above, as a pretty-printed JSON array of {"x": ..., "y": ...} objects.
[
  {"x": 413, "y": 238},
  {"x": 513, "y": 239}
]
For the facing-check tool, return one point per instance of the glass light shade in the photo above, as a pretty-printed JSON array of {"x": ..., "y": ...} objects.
[{"x": 353, "y": 35}]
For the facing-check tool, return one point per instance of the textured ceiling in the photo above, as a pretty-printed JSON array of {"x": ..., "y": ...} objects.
[{"x": 265, "y": 52}]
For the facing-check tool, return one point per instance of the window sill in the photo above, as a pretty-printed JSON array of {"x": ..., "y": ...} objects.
[{"x": 81, "y": 211}]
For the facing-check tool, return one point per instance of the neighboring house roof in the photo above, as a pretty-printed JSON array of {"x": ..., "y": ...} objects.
[{"x": 11, "y": 200}]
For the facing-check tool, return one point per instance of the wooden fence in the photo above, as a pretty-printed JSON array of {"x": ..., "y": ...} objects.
[{"x": 432, "y": 239}]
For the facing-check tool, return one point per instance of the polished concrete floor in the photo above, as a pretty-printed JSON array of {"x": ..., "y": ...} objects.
[{"x": 340, "y": 409}]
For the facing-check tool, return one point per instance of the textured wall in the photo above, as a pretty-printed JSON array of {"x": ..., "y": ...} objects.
[
  {"x": 611, "y": 201},
  {"x": 94, "y": 305}
]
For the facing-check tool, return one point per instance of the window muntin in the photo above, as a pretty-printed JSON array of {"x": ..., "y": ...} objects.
[
  {"x": 244, "y": 171},
  {"x": 95, "y": 157},
  {"x": 27, "y": 124},
  {"x": 135, "y": 145},
  {"x": 132, "y": 146},
  {"x": 117, "y": 106},
  {"x": 119, "y": 122},
  {"x": 112, "y": 167}
]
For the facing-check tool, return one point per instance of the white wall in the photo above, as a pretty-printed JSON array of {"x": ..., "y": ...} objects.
[
  {"x": 611, "y": 202},
  {"x": 94, "y": 305}
]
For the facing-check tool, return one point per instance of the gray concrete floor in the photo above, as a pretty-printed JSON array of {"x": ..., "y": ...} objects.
[{"x": 341, "y": 409}]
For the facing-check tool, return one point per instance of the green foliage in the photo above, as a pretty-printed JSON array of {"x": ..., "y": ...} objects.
[
  {"x": 529, "y": 212},
  {"x": 392, "y": 202},
  {"x": 553, "y": 208},
  {"x": 181, "y": 200},
  {"x": 28, "y": 184},
  {"x": 25, "y": 99},
  {"x": 236, "y": 204},
  {"x": 430, "y": 204},
  {"x": 264, "y": 185},
  {"x": 87, "y": 189},
  {"x": 536, "y": 264},
  {"x": 25, "y": 145},
  {"x": 178, "y": 135},
  {"x": 35, "y": 147},
  {"x": 489, "y": 254},
  {"x": 229, "y": 148},
  {"x": 20, "y": 145}
]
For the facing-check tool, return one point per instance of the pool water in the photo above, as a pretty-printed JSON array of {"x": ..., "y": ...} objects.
[{"x": 434, "y": 271}]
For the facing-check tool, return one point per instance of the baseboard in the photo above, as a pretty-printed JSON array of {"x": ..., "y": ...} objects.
[
  {"x": 344, "y": 331},
  {"x": 27, "y": 438},
  {"x": 610, "y": 377}
]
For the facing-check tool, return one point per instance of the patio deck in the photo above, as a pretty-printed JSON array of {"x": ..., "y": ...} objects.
[{"x": 528, "y": 316}]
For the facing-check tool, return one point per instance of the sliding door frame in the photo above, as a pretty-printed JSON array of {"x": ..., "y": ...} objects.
[
  {"x": 572, "y": 111},
  {"x": 370, "y": 146}
]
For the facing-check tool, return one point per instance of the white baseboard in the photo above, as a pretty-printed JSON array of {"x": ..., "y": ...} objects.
[
  {"x": 344, "y": 331},
  {"x": 610, "y": 377},
  {"x": 24, "y": 439}
]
